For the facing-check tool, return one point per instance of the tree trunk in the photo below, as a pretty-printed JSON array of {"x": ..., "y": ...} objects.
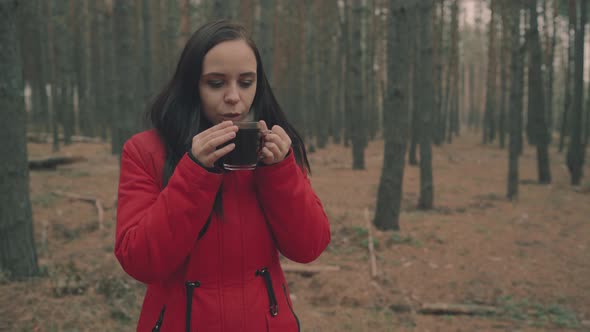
[
  {"x": 426, "y": 104},
  {"x": 576, "y": 149},
  {"x": 438, "y": 78},
  {"x": 537, "y": 131},
  {"x": 565, "y": 118},
  {"x": 246, "y": 11},
  {"x": 52, "y": 75},
  {"x": 124, "y": 36},
  {"x": 146, "y": 54},
  {"x": 504, "y": 67},
  {"x": 489, "y": 121},
  {"x": 265, "y": 37},
  {"x": 34, "y": 45},
  {"x": 516, "y": 96},
  {"x": 415, "y": 89},
  {"x": 358, "y": 134},
  {"x": 395, "y": 120},
  {"x": 18, "y": 255},
  {"x": 222, "y": 9}
]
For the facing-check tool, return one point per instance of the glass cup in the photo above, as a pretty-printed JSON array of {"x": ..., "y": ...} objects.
[{"x": 248, "y": 143}]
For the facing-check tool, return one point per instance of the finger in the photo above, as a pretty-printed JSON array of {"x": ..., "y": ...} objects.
[
  {"x": 274, "y": 148},
  {"x": 286, "y": 140},
  {"x": 263, "y": 127},
  {"x": 207, "y": 136},
  {"x": 276, "y": 129},
  {"x": 217, "y": 127},
  {"x": 213, "y": 157},
  {"x": 218, "y": 141},
  {"x": 267, "y": 156}
]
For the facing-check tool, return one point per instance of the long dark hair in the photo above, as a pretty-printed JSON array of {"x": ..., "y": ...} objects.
[{"x": 176, "y": 110}]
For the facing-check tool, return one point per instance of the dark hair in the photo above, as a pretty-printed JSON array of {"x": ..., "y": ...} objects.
[{"x": 176, "y": 110}]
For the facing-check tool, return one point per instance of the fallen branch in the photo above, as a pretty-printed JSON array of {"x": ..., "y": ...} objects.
[
  {"x": 372, "y": 258},
  {"x": 48, "y": 138},
  {"x": 457, "y": 309},
  {"x": 52, "y": 162},
  {"x": 310, "y": 269},
  {"x": 97, "y": 203}
]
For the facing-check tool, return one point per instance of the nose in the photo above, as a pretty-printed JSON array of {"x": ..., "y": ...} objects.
[{"x": 231, "y": 95}]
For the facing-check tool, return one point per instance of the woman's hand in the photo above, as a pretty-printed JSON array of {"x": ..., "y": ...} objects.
[
  {"x": 276, "y": 144},
  {"x": 204, "y": 145}
]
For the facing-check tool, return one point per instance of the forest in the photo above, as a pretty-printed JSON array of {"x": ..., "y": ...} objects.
[{"x": 447, "y": 141}]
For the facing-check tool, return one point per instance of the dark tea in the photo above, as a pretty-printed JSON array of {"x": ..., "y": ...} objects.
[{"x": 245, "y": 154}]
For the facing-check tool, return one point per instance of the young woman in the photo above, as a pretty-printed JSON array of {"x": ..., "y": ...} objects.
[{"x": 205, "y": 240}]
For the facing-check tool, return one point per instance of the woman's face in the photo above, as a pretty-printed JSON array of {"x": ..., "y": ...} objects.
[{"x": 228, "y": 83}]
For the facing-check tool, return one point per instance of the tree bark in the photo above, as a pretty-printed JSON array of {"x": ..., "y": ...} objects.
[
  {"x": 426, "y": 104},
  {"x": 516, "y": 96},
  {"x": 127, "y": 76},
  {"x": 576, "y": 149},
  {"x": 358, "y": 129},
  {"x": 489, "y": 120},
  {"x": 395, "y": 119},
  {"x": 537, "y": 131},
  {"x": 565, "y": 118},
  {"x": 18, "y": 255}
]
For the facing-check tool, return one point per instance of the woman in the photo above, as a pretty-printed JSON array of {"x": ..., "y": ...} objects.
[{"x": 206, "y": 241}]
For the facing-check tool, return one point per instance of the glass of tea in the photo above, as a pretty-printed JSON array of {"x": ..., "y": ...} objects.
[{"x": 248, "y": 143}]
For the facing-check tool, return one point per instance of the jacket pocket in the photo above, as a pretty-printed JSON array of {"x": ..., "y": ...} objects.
[{"x": 160, "y": 320}]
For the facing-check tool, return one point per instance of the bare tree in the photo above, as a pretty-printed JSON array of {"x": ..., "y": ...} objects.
[
  {"x": 537, "y": 130},
  {"x": 516, "y": 94},
  {"x": 18, "y": 256},
  {"x": 395, "y": 118},
  {"x": 426, "y": 104},
  {"x": 576, "y": 149}
]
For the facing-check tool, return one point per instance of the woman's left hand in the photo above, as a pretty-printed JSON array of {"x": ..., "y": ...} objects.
[{"x": 276, "y": 144}]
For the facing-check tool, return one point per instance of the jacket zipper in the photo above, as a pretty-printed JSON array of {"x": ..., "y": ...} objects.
[
  {"x": 190, "y": 286},
  {"x": 160, "y": 320},
  {"x": 291, "y": 308},
  {"x": 273, "y": 306}
]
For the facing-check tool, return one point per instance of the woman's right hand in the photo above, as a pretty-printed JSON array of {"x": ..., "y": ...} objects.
[{"x": 204, "y": 145}]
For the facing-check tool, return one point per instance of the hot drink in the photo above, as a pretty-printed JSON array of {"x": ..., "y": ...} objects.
[{"x": 245, "y": 154}]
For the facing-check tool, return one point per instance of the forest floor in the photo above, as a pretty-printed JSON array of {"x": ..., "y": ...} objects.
[{"x": 529, "y": 259}]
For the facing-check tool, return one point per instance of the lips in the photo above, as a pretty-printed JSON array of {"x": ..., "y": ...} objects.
[{"x": 231, "y": 116}]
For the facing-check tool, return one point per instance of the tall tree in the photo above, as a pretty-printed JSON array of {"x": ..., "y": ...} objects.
[
  {"x": 569, "y": 82},
  {"x": 453, "y": 74},
  {"x": 246, "y": 15},
  {"x": 358, "y": 130},
  {"x": 17, "y": 247},
  {"x": 516, "y": 94},
  {"x": 414, "y": 88},
  {"x": 221, "y": 9},
  {"x": 426, "y": 104},
  {"x": 34, "y": 46},
  {"x": 550, "y": 42},
  {"x": 537, "y": 130},
  {"x": 489, "y": 119},
  {"x": 125, "y": 33},
  {"x": 52, "y": 74},
  {"x": 65, "y": 75},
  {"x": 576, "y": 149},
  {"x": 395, "y": 118},
  {"x": 438, "y": 52},
  {"x": 265, "y": 35},
  {"x": 504, "y": 71}
]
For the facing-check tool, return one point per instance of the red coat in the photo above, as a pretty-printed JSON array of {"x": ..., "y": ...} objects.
[{"x": 231, "y": 278}]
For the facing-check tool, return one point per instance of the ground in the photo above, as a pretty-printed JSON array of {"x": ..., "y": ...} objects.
[{"x": 530, "y": 258}]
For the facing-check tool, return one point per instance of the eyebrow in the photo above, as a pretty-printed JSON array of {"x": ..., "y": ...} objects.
[{"x": 247, "y": 74}]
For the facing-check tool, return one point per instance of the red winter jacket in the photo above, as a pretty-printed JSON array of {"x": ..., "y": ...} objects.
[{"x": 230, "y": 279}]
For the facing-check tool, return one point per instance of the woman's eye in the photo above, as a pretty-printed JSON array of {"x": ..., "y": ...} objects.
[
  {"x": 215, "y": 83},
  {"x": 246, "y": 84}
]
